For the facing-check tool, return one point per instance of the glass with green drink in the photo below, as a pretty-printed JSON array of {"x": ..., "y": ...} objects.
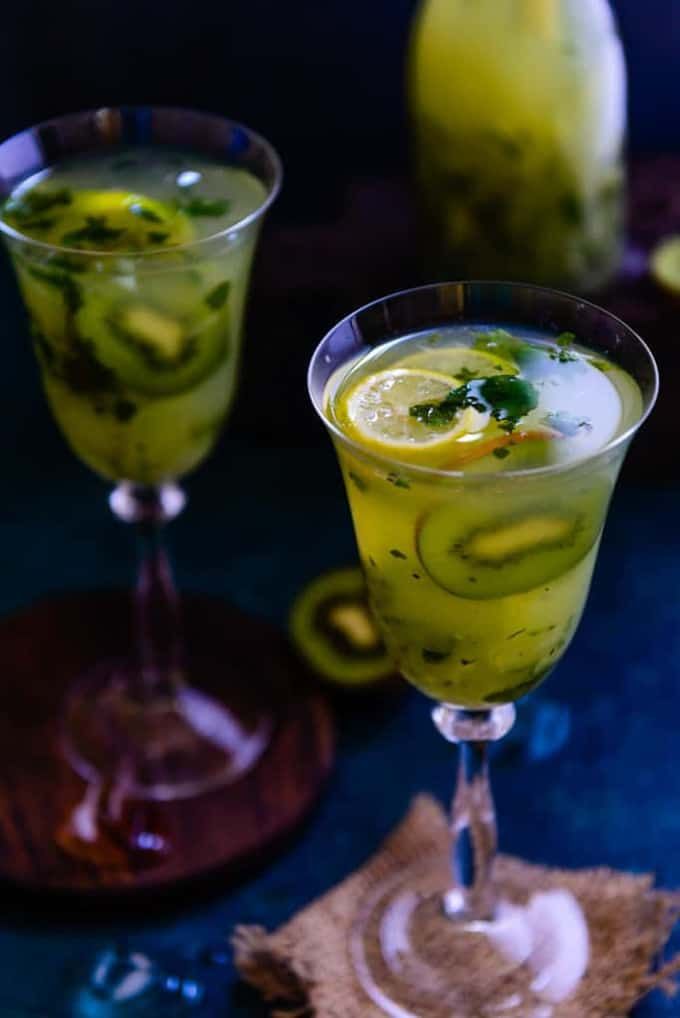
[
  {"x": 480, "y": 428},
  {"x": 132, "y": 233}
]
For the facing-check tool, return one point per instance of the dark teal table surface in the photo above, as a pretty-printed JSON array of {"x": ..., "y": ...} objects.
[
  {"x": 258, "y": 525},
  {"x": 265, "y": 514}
]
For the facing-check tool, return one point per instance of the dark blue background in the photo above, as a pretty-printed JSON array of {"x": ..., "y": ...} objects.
[{"x": 322, "y": 79}]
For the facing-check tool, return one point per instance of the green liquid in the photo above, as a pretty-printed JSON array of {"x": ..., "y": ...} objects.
[
  {"x": 478, "y": 581},
  {"x": 136, "y": 323}
]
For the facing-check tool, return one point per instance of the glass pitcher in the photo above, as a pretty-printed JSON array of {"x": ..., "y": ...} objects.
[{"x": 518, "y": 113}]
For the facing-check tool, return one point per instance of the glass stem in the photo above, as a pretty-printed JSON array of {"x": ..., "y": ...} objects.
[
  {"x": 156, "y": 602},
  {"x": 473, "y": 816}
]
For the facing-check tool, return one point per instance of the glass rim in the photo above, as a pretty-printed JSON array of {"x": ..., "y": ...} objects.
[
  {"x": 272, "y": 191},
  {"x": 438, "y": 473}
]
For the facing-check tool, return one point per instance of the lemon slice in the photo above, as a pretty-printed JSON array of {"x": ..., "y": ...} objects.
[
  {"x": 376, "y": 413},
  {"x": 665, "y": 264},
  {"x": 461, "y": 362},
  {"x": 90, "y": 220}
]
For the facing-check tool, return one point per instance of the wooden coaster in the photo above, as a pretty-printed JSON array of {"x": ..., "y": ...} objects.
[{"x": 45, "y": 647}]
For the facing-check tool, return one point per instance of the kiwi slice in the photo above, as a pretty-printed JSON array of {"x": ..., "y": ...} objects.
[
  {"x": 477, "y": 551},
  {"x": 332, "y": 626},
  {"x": 158, "y": 345}
]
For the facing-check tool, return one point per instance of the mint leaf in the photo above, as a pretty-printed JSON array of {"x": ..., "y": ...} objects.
[
  {"x": 70, "y": 290},
  {"x": 509, "y": 398},
  {"x": 562, "y": 354},
  {"x": 94, "y": 232},
  {"x": 358, "y": 481},
  {"x": 436, "y": 415},
  {"x": 217, "y": 297},
  {"x": 502, "y": 342},
  {"x": 124, "y": 410},
  {"x": 25, "y": 207},
  {"x": 206, "y": 207},
  {"x": 137, "y": 209},
  {"x": 506, "y": 397},
  {"x": 434, "y": 656},
  {"x": 398, "y": 481}
]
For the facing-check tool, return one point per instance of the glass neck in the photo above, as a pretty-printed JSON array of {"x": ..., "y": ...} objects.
[{"x": 473, "y": 816}]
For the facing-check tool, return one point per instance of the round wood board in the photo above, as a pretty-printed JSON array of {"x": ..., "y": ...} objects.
[{"x": 45, "y": 647}]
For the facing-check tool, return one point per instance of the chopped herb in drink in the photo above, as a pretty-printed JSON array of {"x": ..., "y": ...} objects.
[
  {"x": 518, "y": 632},
  {"x": 69, "y": 263},
  {"x": 358, "y": 481},
  {"x": 467, "y": 374},
  {"x": 124, "y": 410},
  {"x": 198, "y": 207},
  {"x": 144, "y": 212},
  {"x": 34, "y": 203},
  {"x": 506, "y": 397},
  {"x": 398, "y": 481},
  {"x": 501, "y": 342},
  {"x": 95, "y": 231},
  {"x": 563, "y": 354},
  {"x": 62, "y": 281},
  {"x": 435, "y": 657},
  {"x": 218, "y": 295},
  {"x": 38, "y": 225}
]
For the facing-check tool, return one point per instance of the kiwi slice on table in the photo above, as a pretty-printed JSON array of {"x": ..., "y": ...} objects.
[
  {"x": 477, "y": 551},
  {"x": 332, "y": 627},
  {"x": 156, "y": 346}
]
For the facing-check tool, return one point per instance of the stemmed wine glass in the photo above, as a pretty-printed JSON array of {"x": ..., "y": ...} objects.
[
  {"x": 132, "y": 232},
  {"x": 133, "y": 253},
  {"x": 474, "y": 637}
]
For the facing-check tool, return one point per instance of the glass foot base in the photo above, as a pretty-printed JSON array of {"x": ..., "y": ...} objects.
[
  {"x": 176, "y": 748},
  {"x": 413, "y": 961}
]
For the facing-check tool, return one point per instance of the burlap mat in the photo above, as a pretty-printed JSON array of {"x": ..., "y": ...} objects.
[{"x": 304, "y": 971}]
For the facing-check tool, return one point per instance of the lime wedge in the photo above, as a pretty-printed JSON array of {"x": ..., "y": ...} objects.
[{"x": 665, "y": 264}]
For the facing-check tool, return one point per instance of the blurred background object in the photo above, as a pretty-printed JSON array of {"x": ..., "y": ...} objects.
[{"x": 518, "y": 112}]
